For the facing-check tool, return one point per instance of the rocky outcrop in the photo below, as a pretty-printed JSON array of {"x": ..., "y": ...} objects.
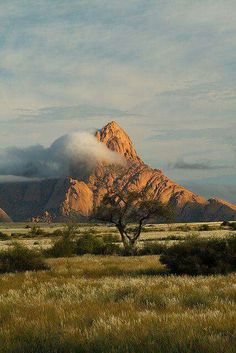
[
  {"x": 4, "y": 218},
  {"x": 53, "y": 199},
  {"x": 116, "y": 139}
]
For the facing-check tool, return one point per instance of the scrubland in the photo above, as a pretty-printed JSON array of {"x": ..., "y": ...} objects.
[
  {"x": 153, "y": 232},
  {"x": 117, "y": 304}
]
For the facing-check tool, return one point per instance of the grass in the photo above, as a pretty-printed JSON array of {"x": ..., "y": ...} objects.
[
  {"x": 154, "y": 232},
  {"x": 115, "y": 304}
]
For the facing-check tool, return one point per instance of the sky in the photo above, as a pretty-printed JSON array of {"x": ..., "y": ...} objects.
[{"x": 165, "y": 70}]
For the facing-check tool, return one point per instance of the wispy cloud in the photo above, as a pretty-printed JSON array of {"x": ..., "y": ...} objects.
[
  {"x": 205, "y": 165},
  {"x": 68, "y": 113}
]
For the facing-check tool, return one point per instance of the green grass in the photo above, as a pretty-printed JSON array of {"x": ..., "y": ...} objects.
[{"x": 114, "y": 304}]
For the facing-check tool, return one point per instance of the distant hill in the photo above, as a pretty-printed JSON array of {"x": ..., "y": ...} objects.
[{"x": 56, "y": 198}]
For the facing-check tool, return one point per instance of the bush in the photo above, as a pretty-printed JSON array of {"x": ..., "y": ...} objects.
[
  {"x": 4, "y": 236},
  {"x": 35, "y": 230},
  {"x": 63, "y": 247},
  {"x": 184, "y": 228},
  {"x": 201, "y": 257},
  {"x": 225, "y": 224},
  {"x": 204, "y": 227},
  {"x": 151, "y": 248},
  {"x": 90, "y": 244},
  {"x": 57, "y": 233},
  {"x": 233, "y": 225},
  {"x": 19, "y": 258}
]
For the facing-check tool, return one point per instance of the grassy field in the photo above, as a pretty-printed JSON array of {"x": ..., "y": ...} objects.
[
  {"x": 116, "y": 304},
  {"x": 152, "y": 232}
]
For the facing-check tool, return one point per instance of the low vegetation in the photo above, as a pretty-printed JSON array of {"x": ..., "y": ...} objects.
[
  {"x": 113, "y": 304},
  {"x": 3, "y": 236},
  {"x": 19, "y": 258},
  {"x": 201, "y": 256},
  {"x": 118, "y": 304}
]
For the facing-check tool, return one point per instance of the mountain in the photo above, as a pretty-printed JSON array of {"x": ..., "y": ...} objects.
[
  {"x": 55, "y": 198},
  {"x": 4, "y": 218}
]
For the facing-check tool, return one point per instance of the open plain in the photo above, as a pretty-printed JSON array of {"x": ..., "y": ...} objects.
[{"x": 115, "y": 303}]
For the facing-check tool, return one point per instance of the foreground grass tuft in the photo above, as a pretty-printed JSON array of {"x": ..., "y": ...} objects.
[{"x": 110, "y": 304}]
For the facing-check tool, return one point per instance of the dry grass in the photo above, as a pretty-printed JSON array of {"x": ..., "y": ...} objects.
[
  {"x": 115, "y": 304},
  {"x": 154, "y": 232}
]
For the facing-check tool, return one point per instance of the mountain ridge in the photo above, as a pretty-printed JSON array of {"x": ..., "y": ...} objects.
[{"x": 56, "y": 198}]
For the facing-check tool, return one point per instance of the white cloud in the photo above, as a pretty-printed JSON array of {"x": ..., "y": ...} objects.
[{"x": 171, "y": 63}]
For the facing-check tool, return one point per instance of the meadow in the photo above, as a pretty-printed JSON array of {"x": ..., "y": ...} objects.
[{"x": 117, "y": 304}]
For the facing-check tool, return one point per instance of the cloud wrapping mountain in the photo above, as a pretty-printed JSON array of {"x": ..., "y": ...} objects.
[{"x": 75, "y": 154}]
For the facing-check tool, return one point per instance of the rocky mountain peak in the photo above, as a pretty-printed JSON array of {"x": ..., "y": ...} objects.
[
  {"x": 56, "y": 198},
  {"x": 116, "y": 139},
  {"x": 4, "y": 217}
]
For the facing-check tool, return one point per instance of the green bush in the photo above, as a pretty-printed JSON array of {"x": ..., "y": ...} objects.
[
  {"x": 18, "y": 258},
  {"x": 201, "y": 257},
  {"x": 63, "y": 247},
  {"x": 151, "y": 248},
  {"x": 90, "y": 244}
]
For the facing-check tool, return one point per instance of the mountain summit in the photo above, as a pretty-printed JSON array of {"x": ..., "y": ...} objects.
[
  {"x": 55, "y": 198},
  {"x": 116, "y": 139}
]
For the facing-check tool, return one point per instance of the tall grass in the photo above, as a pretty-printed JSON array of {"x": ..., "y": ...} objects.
[{"x": 113, "y": 304}]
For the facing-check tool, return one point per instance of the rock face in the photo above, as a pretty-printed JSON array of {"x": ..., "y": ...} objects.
[
  {"x": 51, "y": 199},
  {"x": 4, "y": 218},
  {"x": 117, "y": 140}
]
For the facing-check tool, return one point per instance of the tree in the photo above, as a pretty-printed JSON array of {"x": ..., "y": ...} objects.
[{"x": 128, "y": 211}]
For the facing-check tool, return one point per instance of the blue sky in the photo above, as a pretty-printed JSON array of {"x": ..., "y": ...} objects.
[{"x": 165, "y": 70}]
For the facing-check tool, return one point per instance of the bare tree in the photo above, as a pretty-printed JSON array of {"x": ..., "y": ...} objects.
[{"x": 129, "y": 211}]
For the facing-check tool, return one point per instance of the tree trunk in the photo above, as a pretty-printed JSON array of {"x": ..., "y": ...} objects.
[{"x": 128, "y": 243}]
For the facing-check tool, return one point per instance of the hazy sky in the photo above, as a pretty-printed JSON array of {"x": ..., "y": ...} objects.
[{"x": 165, "y": 70}]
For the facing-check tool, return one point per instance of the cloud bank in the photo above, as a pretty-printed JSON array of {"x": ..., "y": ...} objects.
[{"x": 74, "y": 154}]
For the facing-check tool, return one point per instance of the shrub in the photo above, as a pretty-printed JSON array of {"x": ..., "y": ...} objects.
[
  {"x": 225, "y": 224},
  {"x": 90, "y": 244},
  {"x": 19, "y": 258},
  {"x": 184, "y": 228},
  {"x": 57, "y": 233},
  {"x": 63, "y": 247},
  {"x": 110, "y": 245},
  {"x": 201, "y": 257},
  {"x": 3, "y": 236},
  {"x": 35, "y": 230},
  {"x": 151, "y": 248},
  {"x": 233, "y": 225},
  {"x": 204, "y": 227}
]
